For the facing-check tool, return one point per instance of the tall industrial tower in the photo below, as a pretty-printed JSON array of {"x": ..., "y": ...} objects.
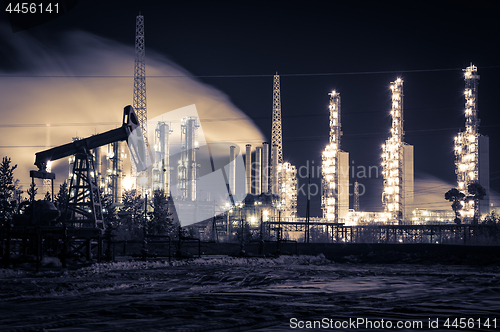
[
  {"x": 335, "y": 168},
  {"x": 161, "y": 166},
  {"x": 139, "y": 102},
  {"x": 287, "y": 184},
  {"x": 283, "y": 175},
  {"x": 397, "y": 163},
  {"x": 276, "y": 135},
  {"x": 472, "y": 150},
  {"x": 187, "y": 168}
]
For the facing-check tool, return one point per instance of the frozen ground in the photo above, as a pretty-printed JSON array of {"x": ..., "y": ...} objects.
[{"x": 235, "y": 294}]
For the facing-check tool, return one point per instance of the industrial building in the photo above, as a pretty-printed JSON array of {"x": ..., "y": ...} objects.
[
  {"x": 472, "y": 152},
  {"x": 335, "y": 169},
  {"x": 397, "y": 164}
]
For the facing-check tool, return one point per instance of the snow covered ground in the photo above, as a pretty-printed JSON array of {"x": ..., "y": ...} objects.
[{"x": 234, "y": 294}]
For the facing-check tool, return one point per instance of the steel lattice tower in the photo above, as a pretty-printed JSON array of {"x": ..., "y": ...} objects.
[
  {"x": 467, "y": 143},
  {"x": 276, "y": 129},
  {"x": 330, "y": 168},
  {"x": 139, "y": 103}
]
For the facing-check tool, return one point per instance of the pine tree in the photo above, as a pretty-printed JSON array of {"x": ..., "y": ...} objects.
[
  {"x": 62, "y": 197},
  {"x": 131, "y": 216},
  {"x": 159, "y": 220},
  {"x": 32, "y": 191},
  {"x": 47, "y": 197},
  {"x": 109, "y": 212},
  {"x": 7, "y": 188}
]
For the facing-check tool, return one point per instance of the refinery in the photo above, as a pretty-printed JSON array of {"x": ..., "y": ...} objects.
[
  {"x": 240, "y": 166},
  {"x": 217, "y": 191}
]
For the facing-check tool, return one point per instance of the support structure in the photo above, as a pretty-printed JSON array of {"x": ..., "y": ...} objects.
[
  {"x": 84, "y": 202},
  {"x": 471, "y": 149},
  {"x": 335, "y": 164}
]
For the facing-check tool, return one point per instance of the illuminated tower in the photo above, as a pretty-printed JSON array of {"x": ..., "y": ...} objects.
[
  {"x": 187, "y": 168},
  {"x": 472, "y": 150},
  {"x": 276, "y": 135},
  {"x": 114, "y": 172},
  {"x": 335, "y": 171},
  {"x": 161, "y": 166},
  {"x": 287, "y": 184},
  {"x": 139, "y": 102},
  {"x": 397, "y": 163},
  {"x": 356, "y": 197}
]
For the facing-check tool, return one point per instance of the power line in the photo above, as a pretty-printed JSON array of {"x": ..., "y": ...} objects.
[{"x": 249, "y": 75}]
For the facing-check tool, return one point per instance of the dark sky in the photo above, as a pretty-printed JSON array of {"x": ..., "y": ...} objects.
[{"x": 355, "y": 47}]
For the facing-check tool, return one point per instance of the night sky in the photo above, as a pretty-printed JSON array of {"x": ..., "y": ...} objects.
[{"x": 356, "y": 48}]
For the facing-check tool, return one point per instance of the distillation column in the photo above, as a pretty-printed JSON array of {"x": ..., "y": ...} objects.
[
  {"x": 330, "y": 168},
  {"x": 161, "y": 167},
  {"x": 187, "y": 168},
  {"x": 471, "y": 149},
  {"x": 397, "y": 163}
]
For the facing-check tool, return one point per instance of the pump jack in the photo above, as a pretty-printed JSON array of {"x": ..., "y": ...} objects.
[{"x": 82, "y": 223}]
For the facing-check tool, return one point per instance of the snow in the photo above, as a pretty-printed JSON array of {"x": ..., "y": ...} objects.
[{"x": 226, "y": 293}]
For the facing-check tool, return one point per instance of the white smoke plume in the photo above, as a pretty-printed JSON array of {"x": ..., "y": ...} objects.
[{"x": 66, "y": 95}]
